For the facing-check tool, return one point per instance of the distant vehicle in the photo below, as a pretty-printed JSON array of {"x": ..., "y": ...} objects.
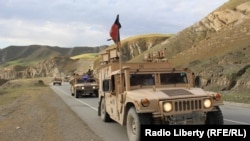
[
  {"x": 82, "y": 87},
  {"x": 57, "y": 81},
  {"x": 134, "y": 94},
  {"x": 66, "y": 79}
]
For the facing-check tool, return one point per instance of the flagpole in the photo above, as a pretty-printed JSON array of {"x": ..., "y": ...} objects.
[
  {"x": 118, "y": 42},
  {"x": 120, "y": 63}
]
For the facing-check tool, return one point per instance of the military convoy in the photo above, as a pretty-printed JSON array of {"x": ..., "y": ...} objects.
[
  {"x": 152, "y": 92},
  {"x": 84, "y": 85}
]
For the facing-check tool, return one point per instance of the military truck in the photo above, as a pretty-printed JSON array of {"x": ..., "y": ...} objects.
[
  {"x": 152, "y": 92},
  {"x": 84, "y": 86},
  {"x": 57, "y": 81},
  {"x": 66, "y": 79}
]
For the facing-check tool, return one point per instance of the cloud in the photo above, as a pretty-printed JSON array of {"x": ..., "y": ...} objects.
[
  {"x": 70, "y": 23},
  {"x": 51, "y": 33}
]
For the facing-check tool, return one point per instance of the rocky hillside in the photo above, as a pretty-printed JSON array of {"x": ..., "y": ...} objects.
[
  {"x": 221, "y": 57},
  {"x": 138, "y": 45},
  {"x": 41, "y": 61},
  {"x": 217, "y": 48}
]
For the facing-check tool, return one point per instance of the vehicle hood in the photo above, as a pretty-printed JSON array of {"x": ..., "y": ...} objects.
[{"x": 163, "y": 93}]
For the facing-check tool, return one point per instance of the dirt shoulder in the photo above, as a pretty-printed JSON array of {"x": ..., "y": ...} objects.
[{"x": 35, "y": 113}]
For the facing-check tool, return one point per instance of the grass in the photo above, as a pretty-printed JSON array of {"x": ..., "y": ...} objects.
[
  {"x": 237, "y": 97},
  {"x": 8, "y": 95},
  {"x": 87, "y": 56},
  {"x": 150, "y": 36},
  {"x": 18, "y": 63},
  {"x": 16, "y": 88}
]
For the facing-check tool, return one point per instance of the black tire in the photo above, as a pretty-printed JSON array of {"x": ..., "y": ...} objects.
[
  {"x": 215, "y": 117},
  {"x": 72, "y": 91},
  {"x": 76, "y": 94},
  {"x": 96, "y": 93},
  {"x": 134, "y": 122},
  {"x": 104, "y": 115}
]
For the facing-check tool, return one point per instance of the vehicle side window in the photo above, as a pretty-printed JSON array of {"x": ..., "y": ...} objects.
[
  {"x": 105, "y": 85},
  {"x": 112, "y": 83}
]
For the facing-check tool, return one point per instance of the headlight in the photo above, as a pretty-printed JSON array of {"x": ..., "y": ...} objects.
[
  {"x": 93, "y": 87},
  {"x": 207, "y": 103},
  {"x": 167, "y": 107},
  {"x": 82, "y": 88}
]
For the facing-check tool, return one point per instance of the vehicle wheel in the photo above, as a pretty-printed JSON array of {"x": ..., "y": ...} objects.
[
  {"x": 72, "y": 91},
  {"x": 104, "y": 115},
  {"x": 134, "y": 122},
  {"x": 96, "y": 93},
  {"x": 76, "y": 94},
  {"x": 215, "y": 117}
]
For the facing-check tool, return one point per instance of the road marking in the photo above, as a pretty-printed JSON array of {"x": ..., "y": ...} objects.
[
  {"x": 238, "y": 122},
  {"x": 92, "y": 107}
]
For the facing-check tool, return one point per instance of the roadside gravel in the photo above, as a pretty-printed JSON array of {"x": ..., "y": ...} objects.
[{"x": 37, "y": 114}]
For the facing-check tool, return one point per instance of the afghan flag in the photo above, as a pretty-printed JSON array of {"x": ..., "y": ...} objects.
[{"x": 114, "y": 31}]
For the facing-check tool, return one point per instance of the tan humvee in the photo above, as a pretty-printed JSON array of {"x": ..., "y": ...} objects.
[
  {"x": 57, "y": 80},
  {"x": 81, "y": 86},
  {"x": 66, "y": 79},
  {"x": 133, "y": 94}
]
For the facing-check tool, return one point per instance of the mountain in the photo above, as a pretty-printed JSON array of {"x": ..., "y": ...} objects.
[
  {"x": 42, "y": 61},
  {"x": 36, "y": 53}
]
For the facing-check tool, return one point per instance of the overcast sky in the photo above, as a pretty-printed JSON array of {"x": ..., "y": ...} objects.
[{"x": 70, "y": 23}]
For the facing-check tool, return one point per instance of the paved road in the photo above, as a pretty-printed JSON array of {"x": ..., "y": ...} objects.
[
  {"x": 86, "y": 109},
  {"x": 236, "y": 114}
]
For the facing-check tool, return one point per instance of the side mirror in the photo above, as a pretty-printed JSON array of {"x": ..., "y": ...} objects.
[
  {"x": 197, "y": 81},
  {"x": 106, "y": 85}
]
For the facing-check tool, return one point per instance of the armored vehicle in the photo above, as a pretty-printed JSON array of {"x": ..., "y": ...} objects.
[
  {"x": 57, "y": 80},
  {"x": 83, "y": 86},
  {"x": 134, "y": 94},
  {"x": 66, "y": 79}
]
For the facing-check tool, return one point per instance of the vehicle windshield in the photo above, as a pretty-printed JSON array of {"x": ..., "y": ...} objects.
[
  {"x": 57, "y": 79},
  {"x": 83, "y": 81},
  {"x": 80, "y": 81},
  {"x": 142, "y": 79},
  {"x": 173, "y": 78},
  {"x": 90, "y": 80},
  {"x": 165, "y": 79}
]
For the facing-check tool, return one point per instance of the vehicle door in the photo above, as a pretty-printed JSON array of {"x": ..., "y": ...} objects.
[{"x": 112, "y": 97}]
